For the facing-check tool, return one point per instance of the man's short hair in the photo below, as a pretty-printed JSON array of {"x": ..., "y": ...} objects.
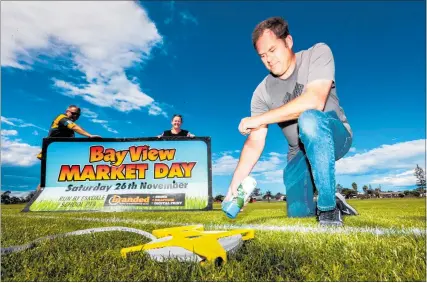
[
  {"x": 277, "y": 25},
  {"x": 75, "y": 106}
]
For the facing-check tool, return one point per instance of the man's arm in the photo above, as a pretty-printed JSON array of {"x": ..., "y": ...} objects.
[
  {"x": 251, "y": 152},
  {"x": 314, "y": 97},
  {"x": 76, "y": 128},
  {"x": 65, "y": 121}
]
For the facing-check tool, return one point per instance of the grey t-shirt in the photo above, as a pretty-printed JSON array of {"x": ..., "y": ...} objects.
[{"x": 314, "y": 63}]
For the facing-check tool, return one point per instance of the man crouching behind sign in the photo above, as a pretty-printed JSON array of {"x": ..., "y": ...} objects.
[{"x": 64, "y": 126}]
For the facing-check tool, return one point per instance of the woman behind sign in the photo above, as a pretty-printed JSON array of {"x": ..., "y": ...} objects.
[{"x": 176, "y": 130}]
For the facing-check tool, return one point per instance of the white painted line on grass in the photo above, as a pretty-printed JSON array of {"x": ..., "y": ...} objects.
[{"x": 286, "y": 228}]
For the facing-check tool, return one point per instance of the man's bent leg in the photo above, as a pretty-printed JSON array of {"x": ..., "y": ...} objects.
[
  {"x": 325, "y": 140},
  {"x": 299, "y": 187}
]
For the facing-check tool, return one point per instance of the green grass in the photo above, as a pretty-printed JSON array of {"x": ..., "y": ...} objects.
[{"x": 271, "y": 256}]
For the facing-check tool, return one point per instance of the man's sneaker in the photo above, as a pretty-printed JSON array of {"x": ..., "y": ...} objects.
[
  {"x": 330, "y": 218},
  {"x": 345, "y": 208}
]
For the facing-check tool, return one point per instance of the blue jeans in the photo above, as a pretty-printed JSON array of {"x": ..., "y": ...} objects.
[{"x": 325, "y": 140}]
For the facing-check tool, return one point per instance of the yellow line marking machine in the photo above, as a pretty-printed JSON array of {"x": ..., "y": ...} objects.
[{"x": 192, "y": 243}]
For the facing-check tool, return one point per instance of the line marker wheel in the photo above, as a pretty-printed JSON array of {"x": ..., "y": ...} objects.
[{"x": 189, "y": 243}]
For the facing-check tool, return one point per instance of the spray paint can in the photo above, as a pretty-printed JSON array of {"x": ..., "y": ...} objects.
[{"x": 245, "y": 189}]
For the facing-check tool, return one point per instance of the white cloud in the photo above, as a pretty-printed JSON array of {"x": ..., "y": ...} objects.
[
  {"x": 406, "y": 178},
  {"x": 7, "y": 121},
  {"x": 268, "y": 177},
  {"x": 352, "y": 149},
  {"x": 224, "y": 165},
  {"x": 171, "y": 6},
  {"x": 18, "y": 186},
  {"x": 19, "y": 123},
  {"x": 9, "y": 132},
  {"x": 403, "y": 155},
  {"x": 20, "y": 177},
  {"x": 184, "y": 16},
  {"x": 104, "y": 39},
  {"x": 270, "y": 163},
  {"x": 269, "y": 169},
  {"x": 99, "y": 121},
  {"x": 88, "y": 113},
  {"x": 93, "y": 117},
  {"x": 104, "y": 124},
  {"x": 35, "y": 133},
  {"x": 187, "y": 17},
  {"x": 16, "y": 153}
]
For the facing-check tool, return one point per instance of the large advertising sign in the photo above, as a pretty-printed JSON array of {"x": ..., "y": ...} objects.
[{"x": 125, "y": 174}]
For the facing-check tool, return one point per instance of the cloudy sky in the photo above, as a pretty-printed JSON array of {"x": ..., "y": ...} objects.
[{"x": 130, "y": 66}]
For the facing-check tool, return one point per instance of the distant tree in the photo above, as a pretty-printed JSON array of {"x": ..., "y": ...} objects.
[
  {"x": 370, "y": 187},
  {"x": 377, "y": 192},
  {"x": 278, "y": 196},
  {"x": 365, "y": 189},
  {"x": 219, "y": 198},
  {"x": 15, "y": 200},
  {"x": 256, "y": 192},
  {"x": 421, "y": 179},
  {"x": 348, "y": 193},
  {"x": 29, "y": 196},
  {"x": 354, "y": 186},
  {"x": 268, "y": 195},
  {"x": 5, "y": 197},
  {"x": 339, "y": 188}
]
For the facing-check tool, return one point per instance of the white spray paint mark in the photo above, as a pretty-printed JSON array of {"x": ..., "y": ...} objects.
[{"x": 287, "y": 228}]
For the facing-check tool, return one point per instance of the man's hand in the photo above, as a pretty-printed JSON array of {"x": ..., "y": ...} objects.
[
  {"x": 247, "y": 124},
  {"x": 190, "y": 135},
  {"x": 230, "y": 194},
  {"x": 94, "y": 136}
]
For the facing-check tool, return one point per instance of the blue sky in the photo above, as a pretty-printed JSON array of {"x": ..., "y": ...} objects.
[{"x": 131, "y": 66}]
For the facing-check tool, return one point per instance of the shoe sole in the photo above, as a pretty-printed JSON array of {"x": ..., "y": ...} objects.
[{"x": 347, "y": 209}]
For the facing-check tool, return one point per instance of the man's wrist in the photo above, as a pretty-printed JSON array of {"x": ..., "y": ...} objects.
[{"x": 260, "y": 119}]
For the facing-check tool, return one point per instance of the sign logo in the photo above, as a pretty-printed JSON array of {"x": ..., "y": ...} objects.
[{"x": 145, "y": 200}]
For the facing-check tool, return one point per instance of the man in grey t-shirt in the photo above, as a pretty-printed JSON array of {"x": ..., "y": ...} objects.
[{"x": 298, "y": 94}]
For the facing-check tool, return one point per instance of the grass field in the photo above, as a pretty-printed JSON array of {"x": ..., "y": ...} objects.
[{"x": 386, "y": 242}]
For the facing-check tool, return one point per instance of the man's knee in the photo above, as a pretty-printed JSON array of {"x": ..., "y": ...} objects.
[{"x": 309, "y": 122}]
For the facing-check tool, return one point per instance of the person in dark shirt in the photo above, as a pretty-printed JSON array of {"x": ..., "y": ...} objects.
[
  {"x": 64, "y": 126},
  {"x": 176, "y": 130}
]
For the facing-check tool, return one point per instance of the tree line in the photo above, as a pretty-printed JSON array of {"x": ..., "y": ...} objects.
[
  {"x": 369, "y": 192},
  {"x": 6, "y": 198}
]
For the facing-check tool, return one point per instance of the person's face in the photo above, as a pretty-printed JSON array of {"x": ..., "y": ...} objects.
[
  {"x": 274, "y": 53},
  {"x": 73, "y": 114},
  {"x": 176, "y": 122}
]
